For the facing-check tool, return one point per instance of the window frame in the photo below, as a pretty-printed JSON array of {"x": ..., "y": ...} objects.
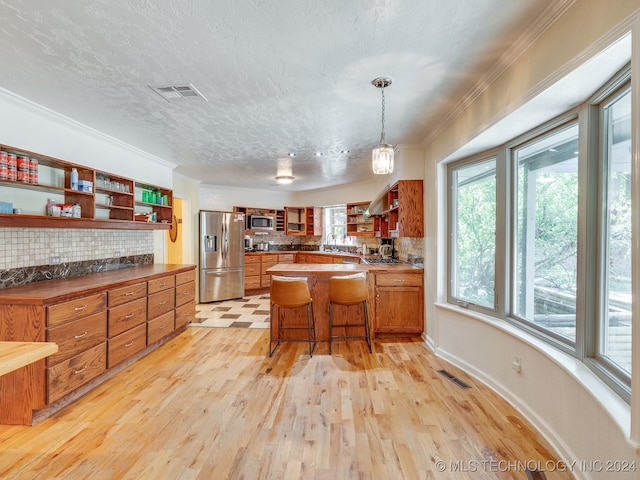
[{"x": 590, "y": 231}]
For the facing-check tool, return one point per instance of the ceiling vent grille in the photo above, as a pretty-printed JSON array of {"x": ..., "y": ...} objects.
[{"x": 178, "y": 93}]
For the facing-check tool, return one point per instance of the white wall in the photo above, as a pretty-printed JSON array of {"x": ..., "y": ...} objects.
[
  {"x": 25, "y": 125},
  {"x": 582, "y": 418}
]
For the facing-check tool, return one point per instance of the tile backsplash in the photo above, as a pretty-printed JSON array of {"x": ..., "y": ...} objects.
[{"x": 28, "y": 247}]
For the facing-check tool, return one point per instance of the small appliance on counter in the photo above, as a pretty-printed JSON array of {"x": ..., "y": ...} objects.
[
  {"x": 386, "y": 247},
  {"x": 248, "y": 243}
]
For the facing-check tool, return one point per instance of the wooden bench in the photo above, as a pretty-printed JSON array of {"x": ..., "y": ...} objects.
[{"x": 21, "y": 385}]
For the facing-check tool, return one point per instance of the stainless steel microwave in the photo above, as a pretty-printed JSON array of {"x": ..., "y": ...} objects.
[{"x": 260, "y": 222}]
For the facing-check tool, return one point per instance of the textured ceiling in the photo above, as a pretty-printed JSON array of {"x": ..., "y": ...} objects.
[{"x": 279, "y": 76}]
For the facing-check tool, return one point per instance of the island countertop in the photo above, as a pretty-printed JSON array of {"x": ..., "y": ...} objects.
[{"x": 318, "y": 279}]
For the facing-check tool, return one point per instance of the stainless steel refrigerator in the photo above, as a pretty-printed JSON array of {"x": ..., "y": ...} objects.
[{"x": 221, "y": 255}]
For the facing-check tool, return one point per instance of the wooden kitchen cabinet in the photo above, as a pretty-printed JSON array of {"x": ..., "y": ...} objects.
[
  {"x": 252, "y": 271},
  {"x": 359, "y": 224},
  {"x": 399, "y": 303},
  {"x": 97, "y": 321},
  {"x": 268, "y": 261},
  {"x": 303, "y": 220},
  {"x": 79, "y": 327},
  {"x": 107, "y": 206},
  {"x": 185, "y": 299},
  {"x": 405, "y": 216},
  {"x": 127, "y": 312}
]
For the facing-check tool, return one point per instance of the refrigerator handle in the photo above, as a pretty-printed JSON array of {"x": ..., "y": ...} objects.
[{"x": 223, "y": 247}]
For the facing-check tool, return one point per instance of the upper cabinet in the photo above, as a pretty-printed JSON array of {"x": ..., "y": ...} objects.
[
  {"x": 405, "y": 217},
  {"x": 359, "y": 224},
  {"x": 81, "y": 197}
]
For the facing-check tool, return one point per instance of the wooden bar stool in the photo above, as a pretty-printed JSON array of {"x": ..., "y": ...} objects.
[
  {"x": 291, "y": 292},
  {"x": 349, "y": 290}
]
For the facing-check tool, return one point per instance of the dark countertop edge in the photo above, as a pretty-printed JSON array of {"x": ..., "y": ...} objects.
[
  {"x": 329, "y": 268},
  {"x": 52, "y": 291}
]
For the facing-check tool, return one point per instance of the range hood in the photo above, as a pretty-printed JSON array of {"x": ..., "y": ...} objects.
[{"x": 379, "y": 204}]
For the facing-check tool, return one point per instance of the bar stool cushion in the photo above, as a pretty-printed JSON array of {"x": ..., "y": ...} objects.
[
  {"x": 289, "y": 292},
  {"x": 348, "y": 289}
]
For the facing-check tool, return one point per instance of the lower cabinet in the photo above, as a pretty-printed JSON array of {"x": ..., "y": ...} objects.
[
  {"x": 160, "y": 327},
  {"x": 79, "y": 327},
  {"x": 127, "y": 344},
  {"x": 98, "y": 331},
  {"x": 185, "y": 298},
  {"x": 399, "y": 303},
  {"x": 66, "y": 376}
]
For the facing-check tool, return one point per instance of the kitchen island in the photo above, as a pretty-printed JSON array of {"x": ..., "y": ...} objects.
[{"x": 395, "y": 297}]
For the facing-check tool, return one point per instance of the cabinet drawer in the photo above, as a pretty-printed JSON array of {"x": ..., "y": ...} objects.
[
  {"x": 126, "y": 316},
  {"x": 248, "y": 259},
  {"x": 75, "y": 309},
  {"x": 399, "y": 279},
  {"x": 265, "y": 267},
  {"x": 251, "y": 283},
  {"x": 118, "y": 296},
  {"x": 185, "y": 293},
  {"x": 160, "y": 284},
  {"x": 77, "y": 336},
  {"x": 126, "y": 344},
  {"x": 160, "y": 303},
  {"x": 185, "y": 314},
  {"x": 76, "y": 371},
  {"x": 286, "y": 258},
  {"x": 272, "y": 259},
  {"x": 252, "y": 269},
  {"x": 265, "y": 281},
  {"x": 160, "y": 327},
  {"x": 185, "y": 277}
]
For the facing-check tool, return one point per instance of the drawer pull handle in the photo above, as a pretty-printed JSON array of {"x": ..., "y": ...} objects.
[
  {"x": 128, "y": 294},
  {"x": 77, "y": 309},
  {"x": 163, "y": 302},
  {"x": 399, "y": 280},
  {"x": 127, "y": 345},
  {"x": 162, "y": 327},
  {"x": 76, "y": 372},
  {"x": 129, "y": 316},
  {"x": 162, "y": 284},
  {"x": 81, "y": 335}
]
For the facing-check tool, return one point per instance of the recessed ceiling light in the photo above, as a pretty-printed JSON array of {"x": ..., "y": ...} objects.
[
  {"x": 291, "y": 154},
  {"x": 345, "y": 151},
  {"x": 319, "y": 154}
]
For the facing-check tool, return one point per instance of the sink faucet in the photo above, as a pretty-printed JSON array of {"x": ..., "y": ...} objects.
[{"x": 329, "y": 237}]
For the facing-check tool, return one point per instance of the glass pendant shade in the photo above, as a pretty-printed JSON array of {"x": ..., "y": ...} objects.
[
  {"x": 382, "y": 154},
  {"x": 382, "y": 157}
]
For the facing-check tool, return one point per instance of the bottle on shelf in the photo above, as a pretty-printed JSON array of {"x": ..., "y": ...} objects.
[{"x": 74, "y": 179}]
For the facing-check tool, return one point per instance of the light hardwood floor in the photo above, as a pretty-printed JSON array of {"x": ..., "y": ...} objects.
[{"x": 211, "y": 405}]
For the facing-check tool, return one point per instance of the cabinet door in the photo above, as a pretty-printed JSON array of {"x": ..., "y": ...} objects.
[{"x": 399, "y": 310}]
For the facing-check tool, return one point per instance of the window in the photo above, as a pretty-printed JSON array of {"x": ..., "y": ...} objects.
[
  {"x": 614, "y": 322},
  {"x": 335, "y": 225},
  {"x": 473, "y": 224},
  {"x": 546, "y": 237},
  {"x": 540, "y": 235}
]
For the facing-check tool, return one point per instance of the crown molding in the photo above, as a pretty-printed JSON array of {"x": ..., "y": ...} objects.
[
  {"x": 37, "y": 109},
  {"x": 541, "y": 24}
]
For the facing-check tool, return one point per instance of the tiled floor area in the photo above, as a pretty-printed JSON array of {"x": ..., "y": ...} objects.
[{"x": 247, "y": 312}]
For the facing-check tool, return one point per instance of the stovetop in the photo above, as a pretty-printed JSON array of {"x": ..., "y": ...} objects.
[{"x": 381, "y": 260}]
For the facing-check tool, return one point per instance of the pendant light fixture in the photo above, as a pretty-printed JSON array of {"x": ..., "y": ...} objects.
[
  {"x": 382, "y": 155},
  {"x": 285, "y": 173}
]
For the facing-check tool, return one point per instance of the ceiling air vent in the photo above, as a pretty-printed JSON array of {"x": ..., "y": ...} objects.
[{"x": 178, "y": 93}]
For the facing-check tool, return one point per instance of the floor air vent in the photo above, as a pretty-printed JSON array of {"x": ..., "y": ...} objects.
[
  {"x": 535, "y": 475},
  {"x": 454, "y": 379}
]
